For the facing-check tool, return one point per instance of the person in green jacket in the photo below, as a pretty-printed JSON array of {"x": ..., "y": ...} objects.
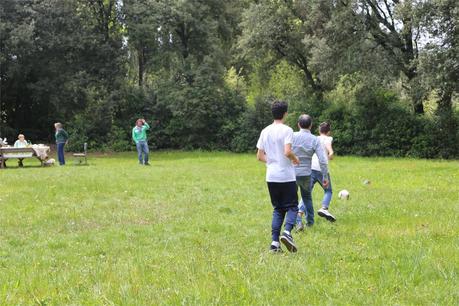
[
  {"x": 61, "y": 140},
  {"x": 139, "y": 135}
]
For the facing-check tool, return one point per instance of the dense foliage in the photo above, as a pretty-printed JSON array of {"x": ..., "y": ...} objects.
[{"x": 203, "y": 72}]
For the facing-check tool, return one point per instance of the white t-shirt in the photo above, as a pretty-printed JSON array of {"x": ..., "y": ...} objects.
[
  {"x": 273, "y": 138},
  {"x": 315, "y": 160},
  {"x": 20, "y": 144}
]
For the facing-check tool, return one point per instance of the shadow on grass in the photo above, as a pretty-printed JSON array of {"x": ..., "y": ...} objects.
[
  {"x": 40, "y": 166},
  {"x": 25, "y": 167}
]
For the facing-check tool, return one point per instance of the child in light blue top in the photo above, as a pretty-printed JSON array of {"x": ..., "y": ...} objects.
[{"x": 21, "y": 142}]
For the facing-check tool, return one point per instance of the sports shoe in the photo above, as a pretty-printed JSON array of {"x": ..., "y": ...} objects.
[
  {"x": 325, "y": 214},
  {"x": 299, "y": 227},
  {"x": 287, "y": 240},
  {"x": 147, "y": 164},
  {"x": 275, "y": 249}
]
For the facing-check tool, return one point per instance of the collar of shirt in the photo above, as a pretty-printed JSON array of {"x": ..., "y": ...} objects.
[{"x": 305, "y": 131}]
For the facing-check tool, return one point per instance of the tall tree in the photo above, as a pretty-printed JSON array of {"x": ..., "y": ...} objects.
[
  {"x": 102, "y": 22},
  {"x": 287, "y": 30},
  {"x": 53, "y": 55},
  {"x": 440, "y": 58},
  {"x": 147, "y": 34},
  {"x": 40, "y": 71},
  {"x": 396, "y": 26}
]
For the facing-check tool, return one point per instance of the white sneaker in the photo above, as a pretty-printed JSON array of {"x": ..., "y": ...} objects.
[
  {"x": 299, "y": 227},
  {"x": 325, "y": 214}
]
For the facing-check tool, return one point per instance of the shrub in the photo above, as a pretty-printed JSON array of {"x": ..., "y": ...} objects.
[
  {"x": 199, "y": 116},
  {"x": 250, "y": 124},
  {"x": 118, "y": 140},
  {"x": 372, "y": 121},
  {"x": 78, "y": 133}
]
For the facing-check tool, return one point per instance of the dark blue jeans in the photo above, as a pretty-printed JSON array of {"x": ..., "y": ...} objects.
[
  {"x": 285, "y": 203},
  {"x": 304, "y": 182},
  {"x": 142, "y": 148},
  {"x": 306, "y": 202},
  {"x": 60, "y": 153}
]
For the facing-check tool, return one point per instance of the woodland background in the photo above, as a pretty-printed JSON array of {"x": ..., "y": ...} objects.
[{"x": 384, "y": 73}]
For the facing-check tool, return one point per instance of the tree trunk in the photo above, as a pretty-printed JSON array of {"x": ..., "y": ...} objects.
[
  {"x": 309, "y": 79},
  {"x": 416, "y": 93},
  {"x": 314, "y": 84},
  {"x": 141, "y": 63},
  {"x": 445, "y": 103},
  {"x": 418, "y": 107}
]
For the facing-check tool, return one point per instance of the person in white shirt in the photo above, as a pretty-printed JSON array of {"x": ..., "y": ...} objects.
[
  {"x": 20, "y": 143},
  {"x": 275, "y": 149},
  {"x": 317, "y": 177}
]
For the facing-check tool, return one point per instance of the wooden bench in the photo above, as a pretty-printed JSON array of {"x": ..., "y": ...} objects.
[{"x": 10, "y": 153}]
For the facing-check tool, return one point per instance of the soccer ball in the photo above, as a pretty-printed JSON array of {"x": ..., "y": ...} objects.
[
  {"x": 343, "y": 194},
  {"x": 50, "y": 162}
]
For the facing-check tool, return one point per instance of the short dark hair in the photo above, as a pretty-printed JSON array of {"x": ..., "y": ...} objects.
[
  {"x": 305, "y": 121},
  {"x": 278, "y": 109},
  {"x": 324, "y": 128}
]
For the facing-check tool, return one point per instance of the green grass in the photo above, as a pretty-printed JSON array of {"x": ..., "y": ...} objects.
[{"x": 195, "y": 227}]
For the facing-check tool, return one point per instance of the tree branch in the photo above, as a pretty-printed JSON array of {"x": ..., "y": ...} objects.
[
  {"x": 375, "y": 9},
  {"x": 389, "y": 12}
]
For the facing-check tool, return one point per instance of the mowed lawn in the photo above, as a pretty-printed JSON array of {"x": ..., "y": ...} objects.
[{"x": 194, "y": 228}]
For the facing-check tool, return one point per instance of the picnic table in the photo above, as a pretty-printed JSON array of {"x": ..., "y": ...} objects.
[{"x": 35, "y": 151}]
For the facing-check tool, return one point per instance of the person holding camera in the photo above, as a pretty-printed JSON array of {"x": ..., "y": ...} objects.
[{"x": 139, "y": 135}]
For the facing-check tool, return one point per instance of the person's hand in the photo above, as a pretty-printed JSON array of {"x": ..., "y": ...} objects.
[
  {"x": 143, "y": 121},
  {"x": 325, "y": 183},
  {"x": 296, "y": 161}
]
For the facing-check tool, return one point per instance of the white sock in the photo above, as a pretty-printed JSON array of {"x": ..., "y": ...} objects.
[
  {"x": 275, "y": 243},
  {"x": 287, "y": 232}
]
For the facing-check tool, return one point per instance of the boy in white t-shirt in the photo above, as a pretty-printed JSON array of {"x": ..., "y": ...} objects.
[
  {"x": 317, "y": 177},
  {"x": 275, "y": 149}
]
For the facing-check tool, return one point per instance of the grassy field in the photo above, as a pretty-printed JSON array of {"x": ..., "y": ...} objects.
[{"x": 194, "y": 228}]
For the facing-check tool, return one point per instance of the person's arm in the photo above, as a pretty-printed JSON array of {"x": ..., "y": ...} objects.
[
  {"x": 288, "y": 148},
  {"x": 331, "y": 153},
  {"x": 133, "y": 136},
  {"x": 145, "y": 125},
  {"x": 290, "y": 155},
  {"x": 323, "y": 162},
  {"x": 66, "y": 135},
  {"x": 261, "y": 155}
]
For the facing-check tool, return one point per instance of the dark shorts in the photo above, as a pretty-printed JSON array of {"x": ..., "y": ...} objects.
[{"x": 283, "y": 195}]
